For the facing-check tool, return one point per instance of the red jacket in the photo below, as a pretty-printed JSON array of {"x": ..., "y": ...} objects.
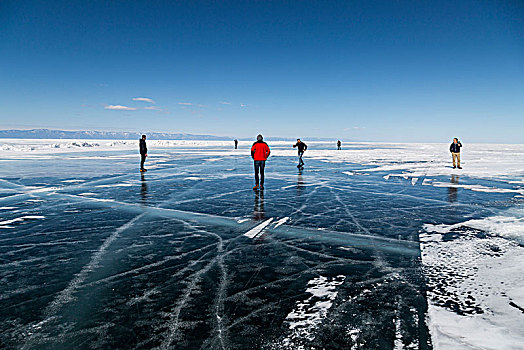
[{"x": 260, "y": 151}]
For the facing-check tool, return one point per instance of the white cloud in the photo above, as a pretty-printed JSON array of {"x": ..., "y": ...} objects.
[
  {"x": 143, "y": 99},
  {"x": 119, "y": 108},
  {"x": 153, "y": 108},
  {"x": 185, "y": 103},
  {"x": 242, "y": 105},
  {"x": 225, "y": 103}
]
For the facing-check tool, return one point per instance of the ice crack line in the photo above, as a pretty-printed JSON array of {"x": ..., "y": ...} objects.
[
  {"x": 173, "y": 323},
  {"x": 219, "y": 301},
  {"x": 66, "y": 295},
  {"x": 380, "y": 261}
]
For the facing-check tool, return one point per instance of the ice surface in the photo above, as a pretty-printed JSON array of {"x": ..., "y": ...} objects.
[
  {"x": 375, "y": 246},
  {"x": 476, "y": 288}
]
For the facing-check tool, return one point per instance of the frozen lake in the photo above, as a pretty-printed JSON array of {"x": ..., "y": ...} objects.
[{"x": 376, "y": 246}]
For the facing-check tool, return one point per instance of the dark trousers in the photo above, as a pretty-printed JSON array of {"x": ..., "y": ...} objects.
[
  {"x": 142, "y": 160},
  {"x": 259, "y": 166},
  {"x": 300, "y": 161}
]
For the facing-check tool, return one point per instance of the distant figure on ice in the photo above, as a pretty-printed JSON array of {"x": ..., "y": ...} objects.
[
  {"x": 143, "y": 152},
  {"x": 455, "y": 152},
  {"x": 259, "y": 152},
  {"x": 236, "y": 143},
  {"x": 302, "y": 147},
  {"x": 338, "y": 145}
]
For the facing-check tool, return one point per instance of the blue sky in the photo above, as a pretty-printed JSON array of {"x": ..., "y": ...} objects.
[{"x": 355, "y": 70}]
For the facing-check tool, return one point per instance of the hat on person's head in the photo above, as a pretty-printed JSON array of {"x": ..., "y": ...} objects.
[
  {"x": 259, "y": 137},
  {"x": 143, "y": 136}
]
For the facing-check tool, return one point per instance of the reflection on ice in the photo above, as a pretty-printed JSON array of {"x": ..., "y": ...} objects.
[
  {"x": 452, "y": 190},
  {"x": 258, "y": 207},
  {"x": 143, "y": 189}
]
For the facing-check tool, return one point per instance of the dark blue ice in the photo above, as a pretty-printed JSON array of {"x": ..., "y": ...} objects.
[{"x": 95, "y": 255}]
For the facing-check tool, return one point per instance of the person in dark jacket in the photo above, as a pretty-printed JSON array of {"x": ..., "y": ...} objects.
[
  {"x": 302, "y": 147},
  {"x": 236, "y": 143},
  {"x": 455, "y": 152},
  {"x": 143, "y": 152},
  {"x": 259, "y": 152},
  {"x": 339, "y": 144}
]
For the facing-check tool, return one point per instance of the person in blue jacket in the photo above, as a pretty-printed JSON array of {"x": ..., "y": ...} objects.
[{"x": 455, "y": 153}]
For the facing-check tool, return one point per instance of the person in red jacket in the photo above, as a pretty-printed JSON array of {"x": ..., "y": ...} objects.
[{"x": 259, "y": 152}]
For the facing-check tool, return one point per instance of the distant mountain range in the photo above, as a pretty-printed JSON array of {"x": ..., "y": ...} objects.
[
  {"x": 101, "y": 135},
  {"x": 121, "y": 135}
]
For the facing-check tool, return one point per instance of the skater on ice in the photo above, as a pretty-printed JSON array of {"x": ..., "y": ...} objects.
[
  {"x": 455, "y": 152},
  {"x": 236, "y": 143},
  {"x": 338, "y": 145},
  {"x": 302, "y": 147},
  {"x": 143, "y": 152},
  {"x": 259, "y": 152}
]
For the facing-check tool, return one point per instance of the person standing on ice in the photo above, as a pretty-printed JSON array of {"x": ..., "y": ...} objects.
[
  {"x": 302, "y": 147},
  {"x": 143, "y": 152},
  {"x": 259, "y": 152},
  {"x": 455, "y": 152},
  {"x": 236, "y": 143},
  {"x": 338, "y": 145}
]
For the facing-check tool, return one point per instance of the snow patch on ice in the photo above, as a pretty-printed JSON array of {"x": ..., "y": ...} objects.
[
  {"x": 510, "y": 226},
  {"x": 478, "y": 188},
  {"x": 257, "y": 230},
  {"x": 427, "y": 182},
  {"x": 308, "y": 314},
  {"x": 22, "y": 218},
  {"x": 32, "y": 189},
  {"x": 114, "y": 185},
  {"x": 281, "y": 221},
  {"x": 476, "y": 285}
]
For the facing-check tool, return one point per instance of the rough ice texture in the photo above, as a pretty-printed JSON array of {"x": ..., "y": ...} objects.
[
  {"x": 476, "y": 284},
  {"x": 510, "y": 225}
]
